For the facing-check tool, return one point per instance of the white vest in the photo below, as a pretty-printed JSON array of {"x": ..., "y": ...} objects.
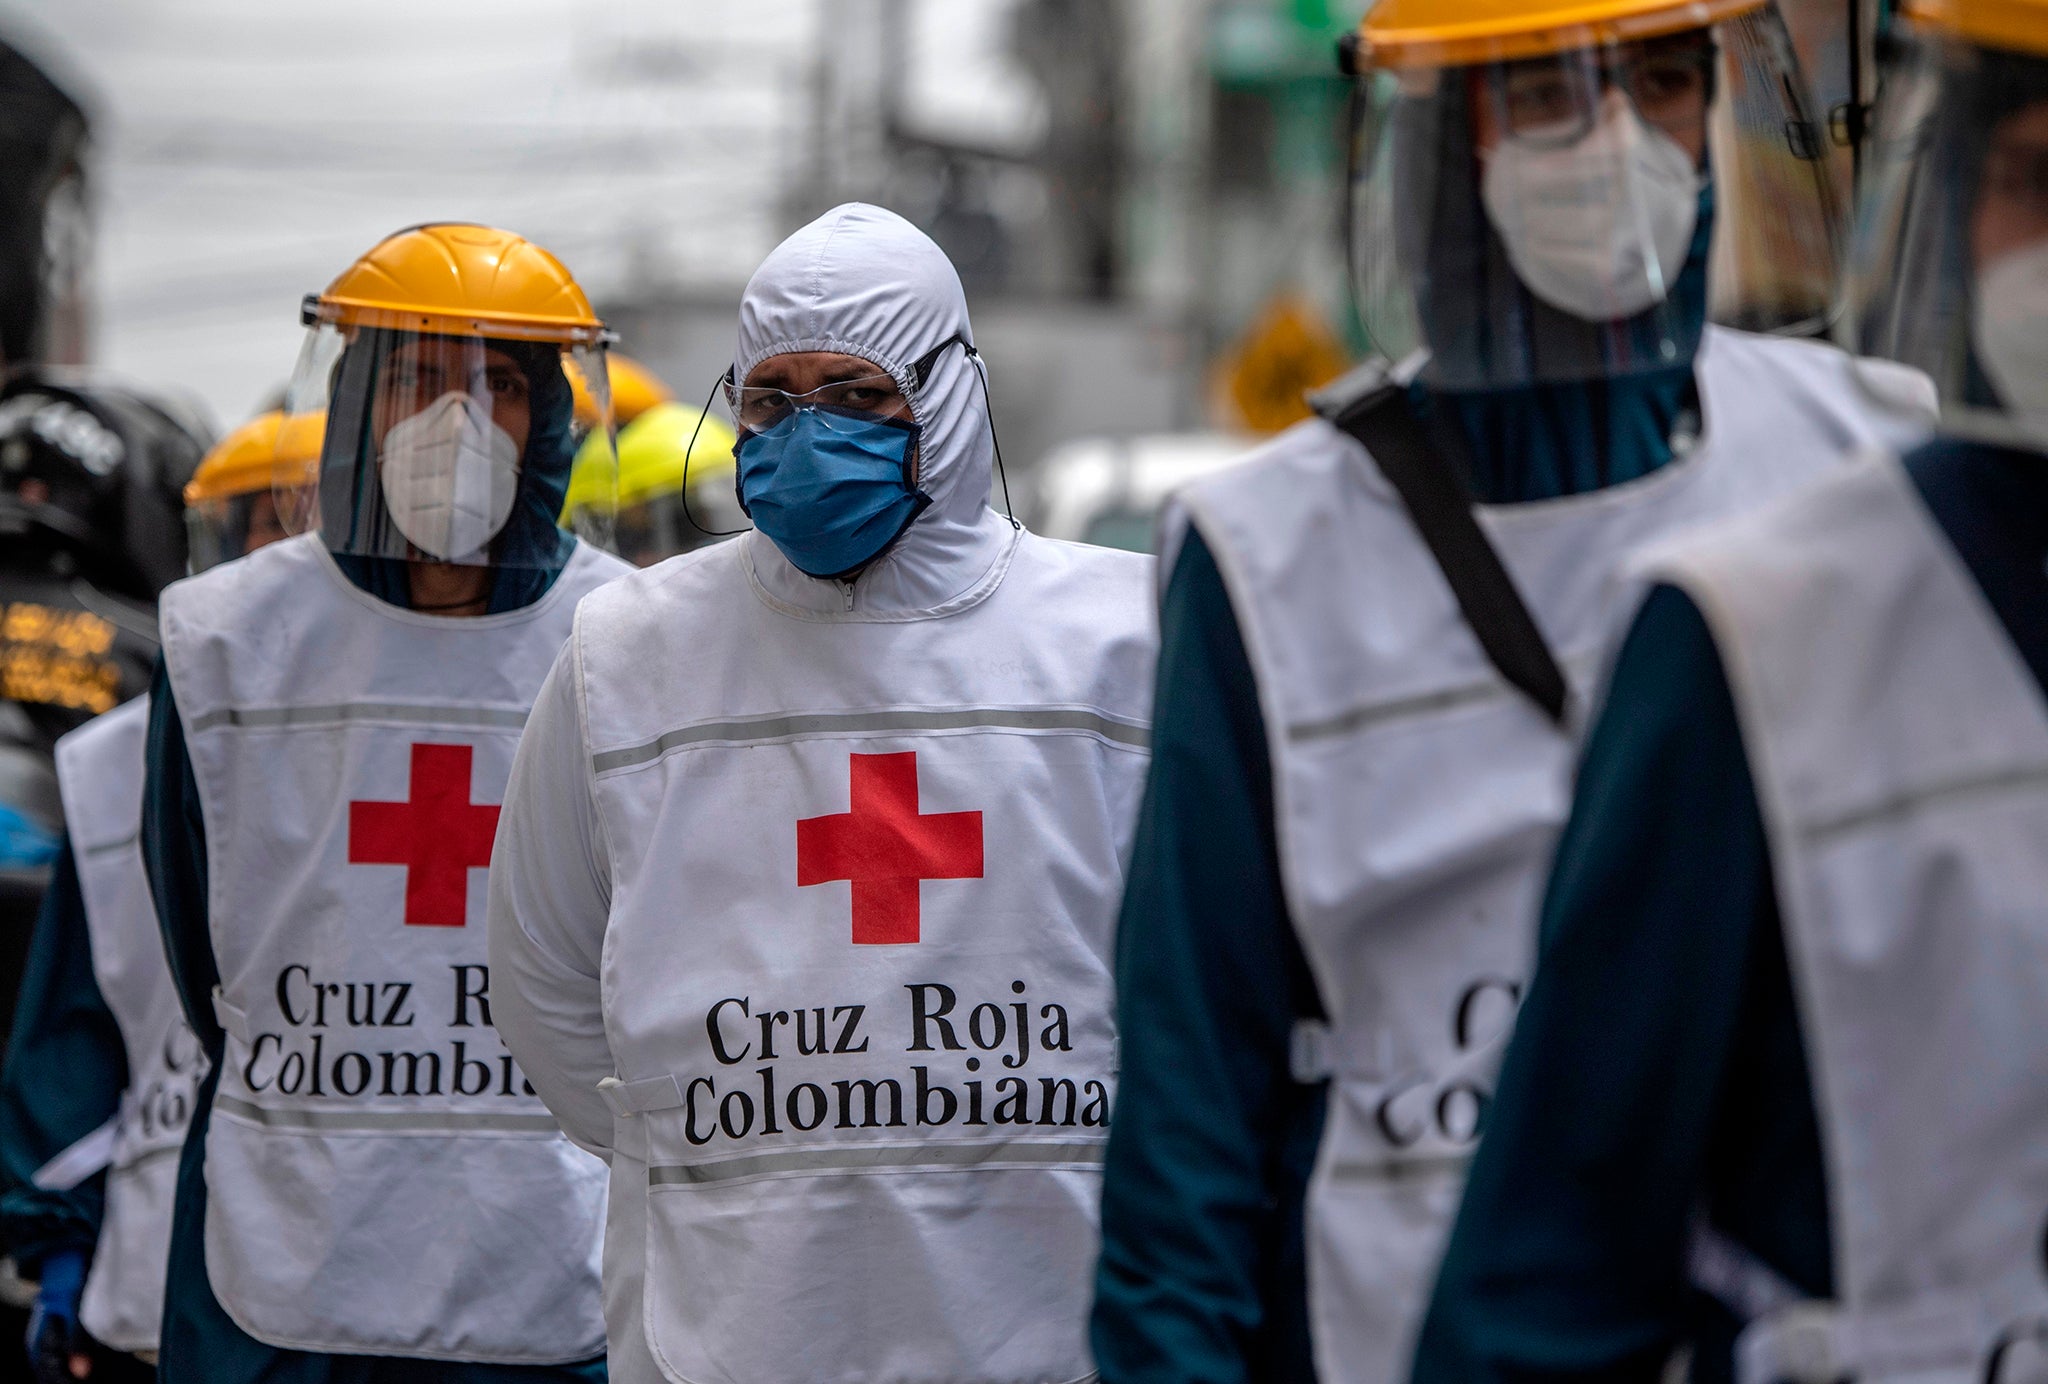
[
  {"x": 1899, "y": 746},
  {"x": 1419, "y": 797},
  {"x": 100, "y": 773},
  {"x": 857, "y": 972},
  {"x": 380, "y": 1177}
]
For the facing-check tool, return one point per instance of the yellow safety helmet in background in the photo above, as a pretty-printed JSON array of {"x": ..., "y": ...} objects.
[
  {"x": 635, "y": 389},
  {"x": 267, "y": 450},
  {"x": 240, "y": 497},
  {"x": 2020, "y": 26},
  {"x": 434, "y": 330},
  {"x": 651, "y": 520},
  {"x": 1457, "y": 33}
]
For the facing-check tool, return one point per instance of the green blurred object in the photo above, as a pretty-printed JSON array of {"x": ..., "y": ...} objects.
[
  {"x": 1261, "y": 45},
  {"x": 1281, "y": 103}
]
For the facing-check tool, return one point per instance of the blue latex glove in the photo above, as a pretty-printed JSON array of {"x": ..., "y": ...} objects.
[{"x": 55, "y": 1339}]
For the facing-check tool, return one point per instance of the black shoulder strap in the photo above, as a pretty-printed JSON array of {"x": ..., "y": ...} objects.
[{"x": 1383, "y": 421}]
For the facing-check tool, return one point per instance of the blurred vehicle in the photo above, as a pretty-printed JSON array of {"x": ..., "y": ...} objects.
[{"x": 1108, "y": 490}]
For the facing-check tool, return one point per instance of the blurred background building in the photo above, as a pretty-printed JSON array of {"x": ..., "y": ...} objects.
[{"x": 1144, "y": 197}]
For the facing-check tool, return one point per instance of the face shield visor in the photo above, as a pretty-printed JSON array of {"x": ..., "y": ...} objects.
[
  {"x": 1951, "y": 267},
  {"x": 675, "y": 484},
  {"x": 1573, "y": 203},
  {"x": 255, "y": 487},
  {"x": 452, "y": 439}
]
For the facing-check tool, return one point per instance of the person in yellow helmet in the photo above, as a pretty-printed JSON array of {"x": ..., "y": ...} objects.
[
  {"x": 1380, "y": 632},
  {"x": 1784, "y": 1042},
  {"x": 101, "y": 1073},
  {"x": 675, "y": 483},
  {"x": 253, "y": 487},
  {"x": 370, "y": 1190}
]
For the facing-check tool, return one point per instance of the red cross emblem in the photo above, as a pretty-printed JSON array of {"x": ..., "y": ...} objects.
[
  {"x": 439, "y": 836},
  {"x": 886, "y": 847}
]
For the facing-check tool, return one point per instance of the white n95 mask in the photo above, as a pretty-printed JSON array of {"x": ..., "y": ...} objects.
[
  {"x": 1598, "y": 228},
  {"x": 450, "y": 476},
  {"x": 2009, "y": 328}
]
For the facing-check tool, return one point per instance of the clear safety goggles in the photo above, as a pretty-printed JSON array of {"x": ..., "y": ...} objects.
[
  {"x": 768, "y": 412},
  {"x": 1555, "y": 100}
]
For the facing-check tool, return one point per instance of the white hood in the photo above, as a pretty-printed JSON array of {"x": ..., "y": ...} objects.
[{"x": 863, "y": 281}]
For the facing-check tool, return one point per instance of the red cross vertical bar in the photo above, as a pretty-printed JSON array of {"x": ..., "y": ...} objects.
[
  {"x": 886, "y": 847},
  {"x": 439, "y": 836}
]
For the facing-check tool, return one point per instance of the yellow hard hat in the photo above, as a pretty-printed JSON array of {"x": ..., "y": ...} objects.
[
  {"x": 1457, "y": 33},
  {"x": 457, "y": 279},
  {"x": 2020, "y": 25},
  {"x": 634, "y": 389},
  {"x": 266, "y": 452},
  {"x": 650, "y": 464}
]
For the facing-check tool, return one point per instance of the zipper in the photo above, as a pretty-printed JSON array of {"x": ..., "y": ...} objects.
[{"x": 848, "y": 585}]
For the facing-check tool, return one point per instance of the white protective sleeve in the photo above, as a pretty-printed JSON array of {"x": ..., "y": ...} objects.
[{"x": 550, "y": 896}]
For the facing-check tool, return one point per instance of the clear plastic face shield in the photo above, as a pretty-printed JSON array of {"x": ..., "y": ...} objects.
[
  {"x": 1951, "y": 267},
  {"x": 675, "y": 484},
  {"x": 662, "y": 526},
  {"x": 221, "y": 530},
  {"x": 452, "y": 440},
  {"x": 1574, "y": 204}
]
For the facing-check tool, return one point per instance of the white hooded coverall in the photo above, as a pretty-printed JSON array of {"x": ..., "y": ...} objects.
[{"x": 819, "y": 879}]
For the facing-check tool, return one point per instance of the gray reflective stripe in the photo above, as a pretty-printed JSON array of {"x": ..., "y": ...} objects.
[
  {"x": 1400, "y": 1169},
  {"x": 763, "y": 729},
  {"x": 400, "y": 1121},
  {"x": 887, "y": 1156},
  {"x": 1731, "y": 1274},
  {"x": 411, "y": 713},
  {"x": 78, "y": 1162},
  {"x": 1580, "y": 668},
  {"x": 148, "y": 1156},
  {"x": 2008, "y": 781},
  {"x": 1361, "y": 717},
  {"x": 106, "y": 847}
]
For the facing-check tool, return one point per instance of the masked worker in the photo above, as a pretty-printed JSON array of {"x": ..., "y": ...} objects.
[
  {"x": 89, "y": 533},
  {"x": 369, "y": 1183},
  {"x": 866, "y": 779},
  {"x": 255, "y": 487},
  {"x": 102, "y": 1068},
  {"x": 1785, "y": 1038},
  {"x": 1378, "y": 635},
  {"x": 675, "y": 483}
]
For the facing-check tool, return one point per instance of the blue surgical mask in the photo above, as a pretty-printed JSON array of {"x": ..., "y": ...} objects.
[{"x": 830, "y": 487}]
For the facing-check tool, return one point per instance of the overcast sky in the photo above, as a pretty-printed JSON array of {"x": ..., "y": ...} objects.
[{"x": 246, "y": 150}]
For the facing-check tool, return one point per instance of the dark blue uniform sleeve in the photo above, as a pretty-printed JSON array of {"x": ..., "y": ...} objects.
[
  {"x": 1201, "y": 1276},
  {"x": 174, "y": 857},
  {"x": 66, "y": 1069},
  {"x": 1656, "y": 1069}
]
